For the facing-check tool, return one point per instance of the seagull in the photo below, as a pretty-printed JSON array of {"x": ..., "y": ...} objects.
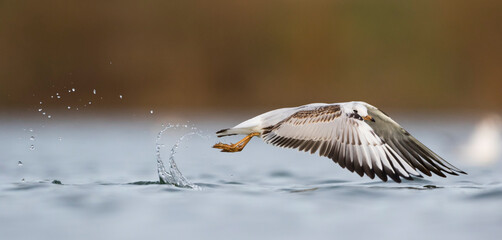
[
  {"x": 483, "y": 148},
  {"x": 356, "y": 135}
]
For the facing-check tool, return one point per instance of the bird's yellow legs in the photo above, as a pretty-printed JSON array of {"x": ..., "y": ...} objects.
[{"x": 236, "y": 147}]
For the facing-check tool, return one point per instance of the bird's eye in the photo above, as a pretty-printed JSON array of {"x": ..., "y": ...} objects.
[{"x": 355, "y": 111}]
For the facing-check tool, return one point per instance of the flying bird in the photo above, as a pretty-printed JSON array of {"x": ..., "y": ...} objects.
[{"x": 356, "y": 135}]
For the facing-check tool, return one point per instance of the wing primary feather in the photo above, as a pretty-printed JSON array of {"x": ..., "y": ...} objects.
[
  {"x": 435, "y": 162},
  {"x": 387, "y": 166},
  {"x": 349, "y": 159},
  {"x": 417, "y": 161},
  {"x": 315, "y": 146},
  {"x": 379, "y": 172},
  {"x": 424, "y": 161},
  {"x": 391, "y": 172},
  {"x": 367, "y": 162},
  {"x": 357, "y": 160},
  {"x": 275, "y": 139},
  {"x": 333, "y": 154},
  {"x": 288, "y": 142},
  {"x": 383, "y": 158},
  {"x": 296, "y": 143},
  {"x": 323, "y": 150},
  {"x": 398, "y": 168},
  {"x": 309, "y": 145},
  {"x": 407, "y": 156},
  {"x": 281, "y": 141},
  {"x": 429, "y": 163},
  {"x": 403, "y": 163},
  {"x": 333, "y": 151},
  {"x": 341, "y": 155},
  {"x": 303, "y": 145}
]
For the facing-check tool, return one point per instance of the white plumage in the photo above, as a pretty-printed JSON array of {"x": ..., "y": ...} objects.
[
  {"x": 483, "y": 147},
  {"x": 355, "y": 135}
]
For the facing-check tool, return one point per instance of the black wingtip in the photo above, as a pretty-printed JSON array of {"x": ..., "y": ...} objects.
[{"x": 222, "y": 130}]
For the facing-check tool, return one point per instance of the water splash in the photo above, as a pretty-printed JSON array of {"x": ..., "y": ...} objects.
[{"x": 173, "y": 176}]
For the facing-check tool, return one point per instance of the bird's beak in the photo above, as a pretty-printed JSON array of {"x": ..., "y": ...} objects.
[{"x": 369, "y": 118}]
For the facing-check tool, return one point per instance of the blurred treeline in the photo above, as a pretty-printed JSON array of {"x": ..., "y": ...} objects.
[{"x": 255, "y": 54}]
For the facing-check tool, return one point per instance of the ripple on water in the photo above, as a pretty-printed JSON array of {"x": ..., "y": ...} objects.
[
  {"x": 231, "y": 183},
  {"x": 491, "y": 194},
  {"x": 331, "y": 181},
  {"x": 27, "y": 186},
  {"x": 146, "y": 183},
  {"x": 280, "y": 174}
]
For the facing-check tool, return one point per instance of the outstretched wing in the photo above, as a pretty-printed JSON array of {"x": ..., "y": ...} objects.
[
  {"x": 408, "y": 147},
  {"x": 352, "y": 143}
]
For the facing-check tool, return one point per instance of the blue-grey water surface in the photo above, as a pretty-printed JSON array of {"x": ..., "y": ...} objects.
[{"x": 96, "y": 178}]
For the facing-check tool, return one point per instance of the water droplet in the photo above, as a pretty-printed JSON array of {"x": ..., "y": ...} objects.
[
  {"x": 40, "y": 102},
  {"x": 43, "y": 113},
  {"x": 19, "y": 163},
  {"x": 39, "y": 109},
  {"x": 69, "y": 107},
  {"x": 73, "y": 89},
  {"x": 60, "y": 138},
  {"x": 32, "y": 138},
  {"x": 151, "y": 111},
  {"x": 32, "y": 147},
  {"x": 94, "y": 91},
  {"x": 69, "y": 91},
  {"x": 110, "y": 62},
  {"x": 77, "y": 109},
  {"x": 52, "y": 96},
  {"x": 49, "y": 116},
  {"x": 90, "y": 102},
  {"x": 31, "y": 129},
  {"x": 120, "y": 96},
  {"x": 59, "y": 96}
]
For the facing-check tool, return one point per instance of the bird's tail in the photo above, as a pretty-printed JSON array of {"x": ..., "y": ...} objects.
[
  {"x": 224, "y": 132},
  {"x": 233, "y": 131}
]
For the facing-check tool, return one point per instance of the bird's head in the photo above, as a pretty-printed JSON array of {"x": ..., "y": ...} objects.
[{"x": 360, "y": 109}]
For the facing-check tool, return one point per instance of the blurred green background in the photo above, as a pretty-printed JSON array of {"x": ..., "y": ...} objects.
[{"x": 228, "y": 55}]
